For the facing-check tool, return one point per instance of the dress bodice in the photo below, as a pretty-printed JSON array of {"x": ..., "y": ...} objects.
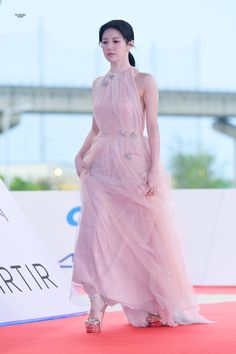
[{"x": 116, "y": 103}]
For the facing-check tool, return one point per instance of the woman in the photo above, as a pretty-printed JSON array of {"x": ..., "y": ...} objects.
[{"x": 127, "y": 251}]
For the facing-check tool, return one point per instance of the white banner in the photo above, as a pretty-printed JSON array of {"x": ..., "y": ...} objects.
[
  {"x": 31, "y": 283},
  {"x": 208, "y": 216},
  {"x": 205, "y": 217},
  {"x": 55, "y": 216}
]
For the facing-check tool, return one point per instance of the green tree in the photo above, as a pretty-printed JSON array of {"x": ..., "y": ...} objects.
[
  {"x": 196, "y": 171},
  {"x": 18, "y": 184}
]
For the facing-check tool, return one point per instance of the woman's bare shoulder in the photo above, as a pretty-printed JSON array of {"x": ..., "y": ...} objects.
[
  {"x": 145, "y": 79},
  {"x": 147, "y": 85},
  {"x": 96, "y": 81}
]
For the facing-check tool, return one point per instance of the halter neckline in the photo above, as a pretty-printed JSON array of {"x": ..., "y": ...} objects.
[{"x": 120, "y": 72}]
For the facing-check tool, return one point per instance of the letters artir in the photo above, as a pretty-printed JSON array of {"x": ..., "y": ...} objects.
[
  {"x": 19, "y": 278},
  {"x": 3, "y": 215}
]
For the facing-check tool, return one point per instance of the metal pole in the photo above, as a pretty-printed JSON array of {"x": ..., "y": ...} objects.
[
  {"x": 234, "y": 162},
  {"x": 6, "y": 145},
  {"x": 42, "y": 128},
  {"x": 6, "y": 124},
  {"x": 153, "y": 59},
  {"x": 197, "y": 86}
]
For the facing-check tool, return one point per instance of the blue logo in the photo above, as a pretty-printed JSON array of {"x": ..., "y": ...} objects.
[
  {"x": 67, "y": 261},
  {"x": 72, "y": 216}
]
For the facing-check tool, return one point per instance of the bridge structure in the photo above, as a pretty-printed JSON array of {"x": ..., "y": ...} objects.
[{"x": 15, "y": 100}]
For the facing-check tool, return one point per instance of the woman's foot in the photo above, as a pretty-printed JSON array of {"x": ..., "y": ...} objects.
[
  {"x": 154, "y": 321},
  {"x": 98, "y": 306}
]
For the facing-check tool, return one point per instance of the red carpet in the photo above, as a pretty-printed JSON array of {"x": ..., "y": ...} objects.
[
  {"x": 215, "y": 290},
  {"x": 68, "y": 336}
]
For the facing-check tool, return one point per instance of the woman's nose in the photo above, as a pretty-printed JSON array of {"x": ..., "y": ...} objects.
[{"x": 109, "y": 45}]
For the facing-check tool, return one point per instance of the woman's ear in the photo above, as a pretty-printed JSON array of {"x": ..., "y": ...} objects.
[{"x": 131, "y": 44}]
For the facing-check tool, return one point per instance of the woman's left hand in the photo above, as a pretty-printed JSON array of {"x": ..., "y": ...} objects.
[{"x": 151, "y": 183}]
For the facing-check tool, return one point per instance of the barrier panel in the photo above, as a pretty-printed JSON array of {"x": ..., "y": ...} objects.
[
  {"x": 205, "y": 217},
  {"x": 32, "y": 286}
]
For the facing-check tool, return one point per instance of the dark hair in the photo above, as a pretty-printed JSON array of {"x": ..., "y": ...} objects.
[{"x": 124, "y": 28}]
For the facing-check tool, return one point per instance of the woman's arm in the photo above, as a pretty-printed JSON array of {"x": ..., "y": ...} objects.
[
  {"x": 150, "y": 97},
  {"x": 88, "y": 140},
  {"x": 79, "y": 163}
]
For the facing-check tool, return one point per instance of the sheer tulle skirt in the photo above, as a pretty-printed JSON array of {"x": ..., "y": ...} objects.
[{"x": 127, "y": 248}]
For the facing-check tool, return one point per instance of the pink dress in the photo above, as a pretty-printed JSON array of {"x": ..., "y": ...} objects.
[{"x": 127, "y": 248}]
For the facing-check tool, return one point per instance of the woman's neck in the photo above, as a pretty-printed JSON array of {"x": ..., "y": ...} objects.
[{"x": 119, "y": 67}]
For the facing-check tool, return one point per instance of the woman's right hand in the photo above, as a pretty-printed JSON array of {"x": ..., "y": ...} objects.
[{"x": 80, "y": 164}]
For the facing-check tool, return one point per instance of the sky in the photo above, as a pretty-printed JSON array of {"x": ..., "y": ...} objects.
[
  {"x": 185, "y": 44},
  {"x": 191, "y": 42}
]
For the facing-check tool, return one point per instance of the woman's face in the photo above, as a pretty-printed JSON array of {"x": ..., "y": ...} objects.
[{"x": 114, "y": 46}]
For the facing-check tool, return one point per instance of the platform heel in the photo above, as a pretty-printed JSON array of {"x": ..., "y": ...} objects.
[{"x": 98, "y": 307}]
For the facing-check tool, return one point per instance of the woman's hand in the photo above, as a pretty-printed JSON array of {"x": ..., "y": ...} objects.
[
  {"x": 79, "y": 164},
  {"x": 151, "y": 183}
]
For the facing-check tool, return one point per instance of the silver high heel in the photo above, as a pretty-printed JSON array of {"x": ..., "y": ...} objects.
[
  {"x": 98, "y": 306},
  {"x": 154, "y": 321}
]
